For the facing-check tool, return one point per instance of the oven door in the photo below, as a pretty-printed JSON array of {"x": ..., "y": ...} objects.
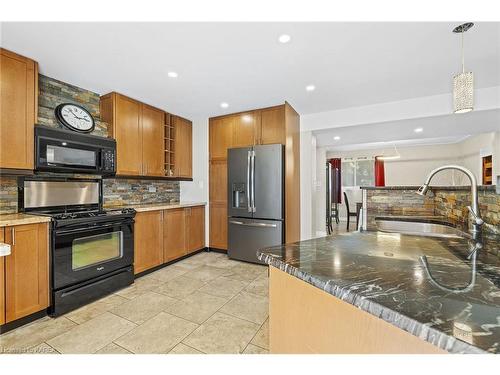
[
  {"x": 90, "y": 251},
  {"x": 65, "y": 156}
]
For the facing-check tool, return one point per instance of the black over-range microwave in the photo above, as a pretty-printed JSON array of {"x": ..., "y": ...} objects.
[{"x": 64, "y": 151}]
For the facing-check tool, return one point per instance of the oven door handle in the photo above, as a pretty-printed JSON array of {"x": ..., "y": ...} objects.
[{"x": 96, "y": 226}]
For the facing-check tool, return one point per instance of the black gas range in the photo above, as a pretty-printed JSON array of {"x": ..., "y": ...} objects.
[
  {"x": 92, "y": 249},
  {"x": 90, "y": 217}
]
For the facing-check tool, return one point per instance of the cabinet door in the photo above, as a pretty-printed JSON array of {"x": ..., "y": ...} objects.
[
  {"x": 2, "y": 282},
  {"x": 218, "y": 225},
  {"x": 221, "y": 133},
  {"x": 272, "y": 125},
  {"x": 245, "y": 129},
  {"x": 183, "y": 147},
  {"x": 152, "y": 141},
  {"x": 18, "y": 100},
  {"x": 196, "y": 228},
  {"x": 174, "y": 224},
  {"x": 128, "y": 135},
  {"x": 26, "y": 270},
  {"x": 148, "y": 240},
  {"x": 218, "y": 181}
]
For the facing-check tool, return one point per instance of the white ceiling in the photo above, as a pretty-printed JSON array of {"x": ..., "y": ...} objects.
[
  {"x": 351, "y": 64},
  {"x": 450, "y": 128}
]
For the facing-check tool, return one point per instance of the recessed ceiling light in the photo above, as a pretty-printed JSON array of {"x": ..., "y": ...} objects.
[
  {"x": 336, "y": 138},
  {"x": 418, "y": 130},
  {"x": 224, "y": 105},
  {"x": 310, "y": 88},
  {"x": 172, "y": 74},
  {"x": 285, "y": 38}
]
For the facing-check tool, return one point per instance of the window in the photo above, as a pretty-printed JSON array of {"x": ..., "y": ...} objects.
[{"x": 358, "y": 172}]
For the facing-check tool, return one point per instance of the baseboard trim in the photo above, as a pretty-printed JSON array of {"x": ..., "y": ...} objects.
[
  {"x": 216, "y": 250},
  {"x": 22, "y": 321}
]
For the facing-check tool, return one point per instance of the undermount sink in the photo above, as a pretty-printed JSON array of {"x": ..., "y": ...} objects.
[{"x": 417, "y": 228}]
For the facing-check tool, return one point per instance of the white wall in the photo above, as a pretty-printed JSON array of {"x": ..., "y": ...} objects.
[
  {"x": 496, "y": 159},
  {"x": 197, "y": 190},
  {"x": 474, "y": 148},
  {"x": 307, "y": 183}
]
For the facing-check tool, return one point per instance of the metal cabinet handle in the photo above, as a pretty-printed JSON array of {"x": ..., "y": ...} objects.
[
  {"x": 13, "y": 232},
  {"x": 253, "y": 180},
  {"x": 261, "y": 225},
  {"x": 249, "y": 204}
]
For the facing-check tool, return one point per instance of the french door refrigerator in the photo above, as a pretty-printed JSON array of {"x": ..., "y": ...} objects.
[{"x": 255, "y": 200}]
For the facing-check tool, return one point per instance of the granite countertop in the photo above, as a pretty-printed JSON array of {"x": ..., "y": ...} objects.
[
  {"x": 431, "y": 187},
  {"x": 158, "y": 206},
  {"x": 20, "y": 219},
  {"x": 382, "y": 273}
]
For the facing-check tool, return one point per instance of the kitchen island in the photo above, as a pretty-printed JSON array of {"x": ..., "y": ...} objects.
[{"x": 370, "y": 292}]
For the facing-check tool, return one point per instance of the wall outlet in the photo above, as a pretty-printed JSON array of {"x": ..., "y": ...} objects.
[{"x": 152, "y": 189}]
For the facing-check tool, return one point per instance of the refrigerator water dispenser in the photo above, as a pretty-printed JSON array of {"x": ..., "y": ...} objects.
[{"x": 239, "y": 196}]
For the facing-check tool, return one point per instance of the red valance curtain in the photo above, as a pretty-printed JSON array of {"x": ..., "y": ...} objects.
[
  {"x": 336, "y": 182},
  {"x": 379, "y": 172}
]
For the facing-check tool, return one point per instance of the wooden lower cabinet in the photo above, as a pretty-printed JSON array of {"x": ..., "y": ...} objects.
[
  {"x": 174, "y": 229},
  {"x": 148, "y": 240},
  {"x": 195, "y": 228},
  {"x": 309, "y": 310},
  {"x": 2, "y": 282},
  {"x": 218, "y": 225},
  {"x": 26, "y": 270},
  {"x": 163, "y": 236}
]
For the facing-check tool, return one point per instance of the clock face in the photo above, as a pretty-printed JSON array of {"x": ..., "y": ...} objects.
[{"x": 75, "y": 117}]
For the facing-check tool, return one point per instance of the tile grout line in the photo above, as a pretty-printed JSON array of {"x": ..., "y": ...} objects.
[
  {"x": 112, "y": 342},
  {"x": 218, "y": 311}
]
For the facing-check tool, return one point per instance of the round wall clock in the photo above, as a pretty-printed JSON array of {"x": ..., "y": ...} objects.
[{"x": 75, "y": 117}]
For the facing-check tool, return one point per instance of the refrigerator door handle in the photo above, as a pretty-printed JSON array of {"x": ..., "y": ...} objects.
[
  {"x": 261, "y": 225},
  {"x": 253, "y": 181},
  {"x": 249, "y": 203}
]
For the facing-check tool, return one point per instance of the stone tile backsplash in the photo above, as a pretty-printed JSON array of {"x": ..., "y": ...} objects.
[
  {"x": 451, "y": 204},
  {"x": 53, "y": 92},
  {"x": 119, "y": 192},
  {"x": 116, "y": 192},
  {"x": 8, "y": 195},
  {"x": 396, "y": 202}
]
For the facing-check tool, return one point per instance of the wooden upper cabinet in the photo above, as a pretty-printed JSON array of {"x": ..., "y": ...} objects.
[
  {"x": 124, "y": 115},
  {"x": 221, "y": 134},
  {"x": 245, "y": 129},
  {"x": 19, "y": 106},
  {"x": 2, "y": 282},
  {"x": 148, "y": 240},
  {"x": 152, "y": 141},
  {"x": 174, "y": 242},
  {"x": 272, "y": 128},
  {"x": 195, "y": 228},
  {"x": 26, "y": 270},
  {"x": 183, "y": 148}
]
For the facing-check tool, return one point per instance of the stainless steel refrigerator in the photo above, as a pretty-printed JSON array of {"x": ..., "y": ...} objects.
[{"x": 255, "y": 200}]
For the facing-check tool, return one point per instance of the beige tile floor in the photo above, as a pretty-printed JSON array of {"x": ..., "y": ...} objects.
[{"x": 203, "y": 304}]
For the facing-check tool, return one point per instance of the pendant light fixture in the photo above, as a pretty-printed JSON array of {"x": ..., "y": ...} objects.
[
  {"x": 463, "y": 83},
  {"x": 394, "y": 156}
]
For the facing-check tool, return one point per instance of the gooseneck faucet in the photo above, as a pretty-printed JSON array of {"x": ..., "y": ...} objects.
[{"x": 477, "y": 221}]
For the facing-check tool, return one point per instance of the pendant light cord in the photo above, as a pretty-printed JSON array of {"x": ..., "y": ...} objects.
[{"x": 463, "y": 58}]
